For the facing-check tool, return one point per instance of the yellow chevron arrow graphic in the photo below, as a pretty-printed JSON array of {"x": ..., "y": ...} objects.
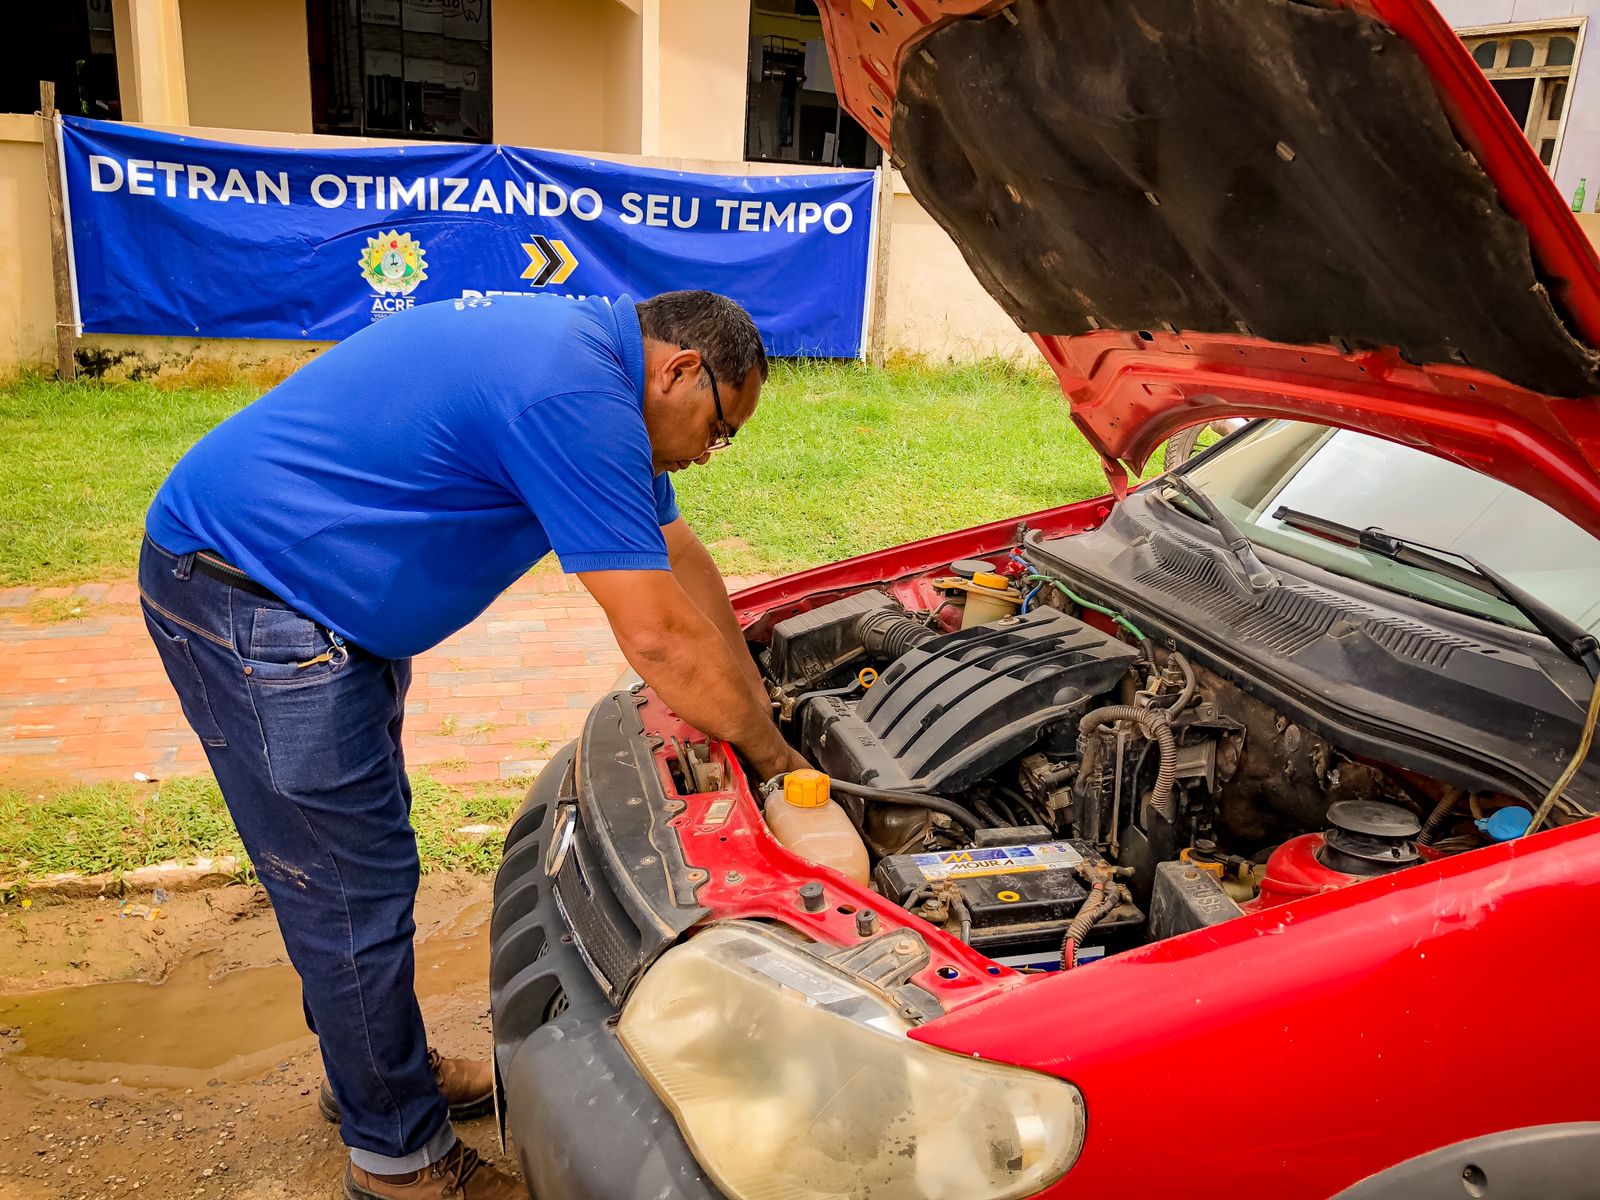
[
  {"x": 568, "y": 263},
  {"x": 549, "y": 261},
  {"x": 536, "y": 261}
]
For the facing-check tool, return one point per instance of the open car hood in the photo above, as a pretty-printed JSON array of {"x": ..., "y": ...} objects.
[{"x": 1251, "y": 207}]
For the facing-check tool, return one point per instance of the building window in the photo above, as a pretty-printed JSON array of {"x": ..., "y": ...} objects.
[
  {"x": 72, "y": 44},
  {"x": 401, "y": 68},
  {"x": 1531, "y": 71},
  {"x": 792, "y": 113}
]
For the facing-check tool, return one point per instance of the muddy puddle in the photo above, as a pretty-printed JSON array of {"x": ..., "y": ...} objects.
[{"x": 207, "y": 1020}]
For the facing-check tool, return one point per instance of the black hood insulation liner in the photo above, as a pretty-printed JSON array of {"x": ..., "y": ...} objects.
[{"x": 1275, "y": 169}]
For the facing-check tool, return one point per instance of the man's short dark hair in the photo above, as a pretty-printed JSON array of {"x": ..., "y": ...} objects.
[{"x": 719, "y": 328}]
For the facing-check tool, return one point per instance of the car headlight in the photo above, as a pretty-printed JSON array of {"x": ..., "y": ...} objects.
[{"x": 790, "y": 1080}]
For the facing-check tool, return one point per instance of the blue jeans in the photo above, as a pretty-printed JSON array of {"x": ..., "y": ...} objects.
[{"x": 309, "y": 761}]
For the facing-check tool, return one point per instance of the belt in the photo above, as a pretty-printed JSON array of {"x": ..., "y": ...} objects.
[{"x": 209, "y": 562}]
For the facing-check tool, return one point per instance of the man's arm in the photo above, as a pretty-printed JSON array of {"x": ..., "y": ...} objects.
[
  {"x": 698, "y": 574},
  {"x": 680, "y": 653}
]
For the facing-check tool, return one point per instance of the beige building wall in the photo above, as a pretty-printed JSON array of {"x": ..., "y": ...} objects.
[
  {"x": 936, "y": 309},
  {"x": 247, "y": 64},
  {"x": 624, "y": 101},
  {"x": 27, "y": 301},
  {"x": 603, "y": 76},
  {"x": 550, "y": 72},
  {"x": 704, "y": 52},
  {"x": 566, "y": 72}
]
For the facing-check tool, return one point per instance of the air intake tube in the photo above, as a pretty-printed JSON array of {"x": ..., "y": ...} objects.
[{"x": 888, "y": 635}]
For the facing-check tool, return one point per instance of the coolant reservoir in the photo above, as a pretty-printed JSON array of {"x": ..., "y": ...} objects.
[
  {"x": 808, "y": 822},
  {"x": 989, "y": 598}
]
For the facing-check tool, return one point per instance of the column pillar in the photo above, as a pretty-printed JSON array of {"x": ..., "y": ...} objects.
[
  {"x": 150, "y": 73},
  {"x": 650, "y": 77},
  {"x": 702, "y": 48}
]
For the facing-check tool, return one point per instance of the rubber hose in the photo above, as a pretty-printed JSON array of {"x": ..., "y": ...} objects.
[
  {"x": 889, "y": 635},
  {"x": 936, "y": 804},
  {"x": 1008, "y": 814},
  {"x": 1019, "y": 801},
  {"x": 1156, "y": 727}
]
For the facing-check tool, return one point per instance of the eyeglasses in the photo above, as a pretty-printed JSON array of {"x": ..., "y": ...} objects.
[{"x": 721, "y": 433}]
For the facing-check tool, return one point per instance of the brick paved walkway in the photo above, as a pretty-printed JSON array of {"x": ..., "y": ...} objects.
[{"x": 85, "y": 698}]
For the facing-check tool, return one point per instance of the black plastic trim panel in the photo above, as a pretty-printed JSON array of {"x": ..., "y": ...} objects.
[
  {"x": 1283, "y": 170},
  {"x": 1542, "y": 1162},
  {"x": 622, "y": 882},
  {"x": 585, "y": 1124},
  {"x": 1374, "y": 672}
]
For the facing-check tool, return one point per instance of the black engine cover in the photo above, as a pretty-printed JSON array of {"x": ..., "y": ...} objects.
[{"x": 952, "y": 710}]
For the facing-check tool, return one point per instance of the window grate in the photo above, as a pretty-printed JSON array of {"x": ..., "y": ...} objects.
[{"x": 1530, "y": 69}]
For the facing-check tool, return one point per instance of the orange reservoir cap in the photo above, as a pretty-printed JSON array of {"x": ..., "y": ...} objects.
[{"x": 805, "y": 788}]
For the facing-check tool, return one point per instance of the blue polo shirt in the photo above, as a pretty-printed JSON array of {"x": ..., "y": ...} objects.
[{"x": 393, "y": 487}]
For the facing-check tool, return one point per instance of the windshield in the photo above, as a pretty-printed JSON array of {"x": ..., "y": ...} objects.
[{"x": 1363, "y": 481}]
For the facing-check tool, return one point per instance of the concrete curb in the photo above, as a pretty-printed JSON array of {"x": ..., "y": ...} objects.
[{"x": 171, "y": 876}]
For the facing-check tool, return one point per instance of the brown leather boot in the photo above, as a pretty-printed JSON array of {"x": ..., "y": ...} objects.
[
  {"x": 459, "y": 1174},
  {"x": 467, "y": 1084}
]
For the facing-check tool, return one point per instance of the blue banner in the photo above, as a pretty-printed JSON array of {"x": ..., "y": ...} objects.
[{"x": 181, "y": 236}]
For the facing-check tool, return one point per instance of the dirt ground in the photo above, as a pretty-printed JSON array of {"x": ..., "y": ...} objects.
[{"x": 166, "y": 1055}]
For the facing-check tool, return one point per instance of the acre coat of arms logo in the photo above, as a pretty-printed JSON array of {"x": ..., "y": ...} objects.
[{"x": 394, "y": 262}]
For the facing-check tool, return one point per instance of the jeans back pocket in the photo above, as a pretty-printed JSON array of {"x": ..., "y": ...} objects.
[{"x": 178, "y": 659}]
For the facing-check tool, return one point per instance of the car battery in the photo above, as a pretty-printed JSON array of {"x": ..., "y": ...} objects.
[{"x": 1019, "y": 896}]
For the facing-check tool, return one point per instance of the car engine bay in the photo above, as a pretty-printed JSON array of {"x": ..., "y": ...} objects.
[{"x": 1033, "y": 774}]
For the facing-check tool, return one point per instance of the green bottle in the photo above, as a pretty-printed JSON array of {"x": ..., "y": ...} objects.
[{"x": 1577, "y": 196}]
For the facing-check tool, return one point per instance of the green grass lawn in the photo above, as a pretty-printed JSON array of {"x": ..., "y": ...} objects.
[
  {"x": 115, "y": 827},
  {"x": 839, "y": 459},
  {"x": 82, "y": 462}
]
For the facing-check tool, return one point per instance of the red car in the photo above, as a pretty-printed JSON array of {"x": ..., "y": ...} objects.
[{"x": 1226, "y": 837}]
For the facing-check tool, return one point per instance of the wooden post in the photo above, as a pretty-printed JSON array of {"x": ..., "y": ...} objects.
[
  {"x": 883, "y": 210},
  {"x": 66, "y": 326}
]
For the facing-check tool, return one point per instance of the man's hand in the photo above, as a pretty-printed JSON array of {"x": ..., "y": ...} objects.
[
  {"x": 796, "y": 762},
  {"x": 680, "y": 653}
]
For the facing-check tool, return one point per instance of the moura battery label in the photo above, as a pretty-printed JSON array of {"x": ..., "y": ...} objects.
[{"x": 996, "y": 860}]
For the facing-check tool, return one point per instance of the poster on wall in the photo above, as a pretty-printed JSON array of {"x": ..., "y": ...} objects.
[{"x": 182, "y": 236}]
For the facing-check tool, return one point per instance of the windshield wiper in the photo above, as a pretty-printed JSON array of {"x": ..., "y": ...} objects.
[
  {"x": 1256, "y": 573},
  {"x": 1568, "y": 636}
]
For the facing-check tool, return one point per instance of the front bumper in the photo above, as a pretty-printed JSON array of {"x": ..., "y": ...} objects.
[{"x": 585, "y": 1124}]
